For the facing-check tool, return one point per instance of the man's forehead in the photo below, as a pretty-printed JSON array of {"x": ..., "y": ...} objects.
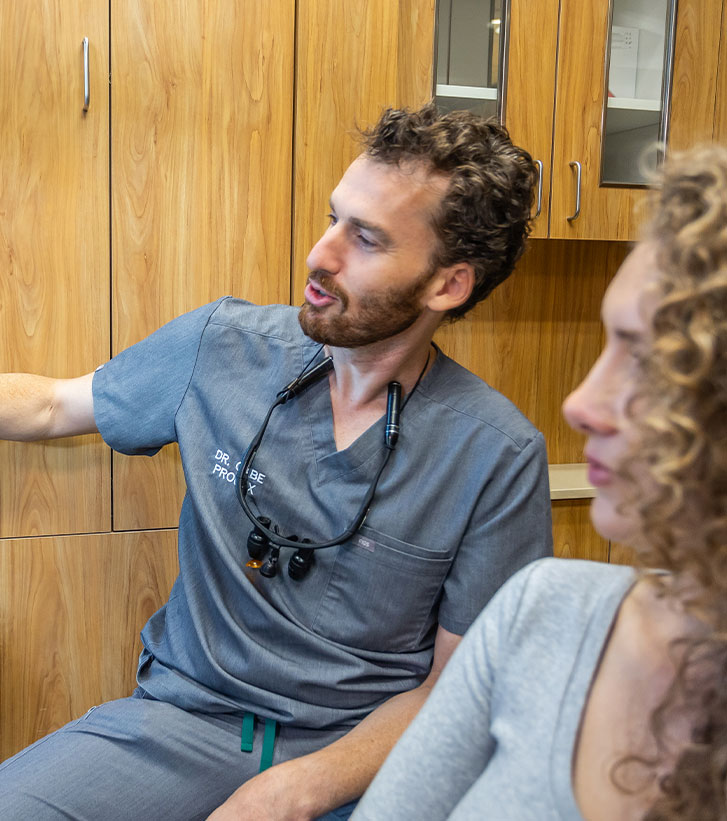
[{"x": 411, "y": 176}]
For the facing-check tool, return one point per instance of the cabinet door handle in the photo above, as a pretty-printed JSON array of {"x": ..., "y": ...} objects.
[
  {"x": 86, "y": 76},
  {"x": 539, "y": 208},
  {"x": 577, "y": 213}
]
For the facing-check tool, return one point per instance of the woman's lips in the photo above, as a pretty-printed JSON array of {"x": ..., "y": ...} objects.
[{"x": 598, "y": 474}]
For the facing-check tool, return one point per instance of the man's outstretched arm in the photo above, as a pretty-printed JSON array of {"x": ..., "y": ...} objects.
[
  {"x": 38, "y": 407},
  {"x": 305, "y": 788}
]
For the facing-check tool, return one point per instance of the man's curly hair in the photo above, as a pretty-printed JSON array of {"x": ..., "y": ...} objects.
[
  {"x": 484, "y": 216},
  {"x": 682, "y": 415}
]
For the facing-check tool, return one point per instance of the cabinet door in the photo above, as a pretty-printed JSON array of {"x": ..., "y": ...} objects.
[
  {"x": 578, "y": 136},
  {"x": 54, "y": 248},
  {"x": 354, "y": 59},
  {"x": 700, "y": 83},
  {"x": 609, "y": 209},
  {"x": 201, "y": 157},
  {"x": 70, "y": 615},
  {"x": 531, "y": 90},
  {"x": 497, "y": 58}
]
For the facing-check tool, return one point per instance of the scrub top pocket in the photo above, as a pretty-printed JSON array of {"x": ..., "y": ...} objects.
[{"x": 382, "y": 593}]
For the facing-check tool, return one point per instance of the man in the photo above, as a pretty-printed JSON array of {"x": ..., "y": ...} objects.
[{"x": 317, "y": 673}]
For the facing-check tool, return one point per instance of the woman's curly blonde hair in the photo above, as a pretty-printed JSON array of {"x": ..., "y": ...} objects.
[{"x": 682, "y": 411}]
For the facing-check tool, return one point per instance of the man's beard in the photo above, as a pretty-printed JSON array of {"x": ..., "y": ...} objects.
[{"x": 378, "y": 316}]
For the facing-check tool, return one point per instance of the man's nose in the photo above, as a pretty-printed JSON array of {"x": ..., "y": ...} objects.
[{"x": 326, "y": 254}]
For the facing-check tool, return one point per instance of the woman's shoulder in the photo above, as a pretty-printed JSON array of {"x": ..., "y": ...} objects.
[
  {"x": 572, "y": 583},
  {"x": 554, "y": 600}
]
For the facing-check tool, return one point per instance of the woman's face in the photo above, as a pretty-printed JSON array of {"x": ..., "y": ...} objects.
[{"x": 597, "y": 407}]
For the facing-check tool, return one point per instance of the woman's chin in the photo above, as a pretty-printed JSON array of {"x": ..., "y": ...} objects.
[{"x": 611, "y": 523}]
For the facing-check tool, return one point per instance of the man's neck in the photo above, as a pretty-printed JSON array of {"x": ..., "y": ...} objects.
[{"x": 361, "y": 376}]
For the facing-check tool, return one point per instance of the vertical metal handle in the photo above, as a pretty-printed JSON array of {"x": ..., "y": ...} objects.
[
  {"x": 502, "y": 60},
  {"x": 539, "y": 164},
  {"x": 577, "y": 213},
  {"x": 86, "y": 76},
  {"x": 666, "y": 86}
]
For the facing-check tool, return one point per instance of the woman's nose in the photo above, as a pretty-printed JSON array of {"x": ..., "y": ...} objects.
[{"x": 590, "y": 407}]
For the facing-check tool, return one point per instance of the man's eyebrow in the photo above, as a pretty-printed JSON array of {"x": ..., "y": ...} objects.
[{"x": 382, "y": 237}]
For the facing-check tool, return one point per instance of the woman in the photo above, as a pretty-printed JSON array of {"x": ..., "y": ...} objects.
[{"x": 589, "y": 691}]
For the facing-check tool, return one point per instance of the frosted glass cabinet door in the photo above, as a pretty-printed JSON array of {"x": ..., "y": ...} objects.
[
  {"x": 470, "y": 55},
  {"x": 640, "y": 54}
]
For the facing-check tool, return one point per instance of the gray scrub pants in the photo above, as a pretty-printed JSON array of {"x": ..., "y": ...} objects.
[{"x": 138, "y": 758}]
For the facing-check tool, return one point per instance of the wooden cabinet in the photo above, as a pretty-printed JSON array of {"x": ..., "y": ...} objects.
[
  {"x": 111, "y": 223},
  {"x": 201, "y": 148},
  {"x": 54, "y": 249},
  {"x": 71, "y": 609},
  {"x": 199, "y": 169},
  {"x": 556, "y": 84},
  {"x": 530, "y": 90},
  {"x": 354, "y": 59},
  {"x": 229, "y": 126}
]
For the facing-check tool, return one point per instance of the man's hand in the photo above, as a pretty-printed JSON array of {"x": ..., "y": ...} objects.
[
  {"x": 308, "y": 787},
  {"x": 278, "y": 794}
]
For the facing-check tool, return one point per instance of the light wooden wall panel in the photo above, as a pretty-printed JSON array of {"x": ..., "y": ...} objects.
[
  {"x": 70, "y": 616},
  {"x": 573, "y": 534},
  {"x": 621, "y": 554},
  {"x": 415, "y": 52},
  {"x": 54, "y": 257},
  {"x": 355, "y": 58},
  {"x": 201, "y": 157},
  {"x": 538, "y": 334}
]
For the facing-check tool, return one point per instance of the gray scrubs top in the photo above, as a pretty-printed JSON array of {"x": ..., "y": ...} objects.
[{"x": 462, "y": 504}]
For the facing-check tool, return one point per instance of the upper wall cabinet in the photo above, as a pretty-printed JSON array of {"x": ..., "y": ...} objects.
[
  {"x": 591, "y": 88},
  {"x": 646, "y": 73}
]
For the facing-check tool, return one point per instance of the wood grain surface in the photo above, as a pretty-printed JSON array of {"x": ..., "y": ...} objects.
[
  {"x": 54, "y": 249},
  {"x": 574, "y": 537},
  {"x": 719, "y": 133},
  {"x": 694, "y": 85},
  {"x": 355, "y": 58},
  {"x": 538, "y": 334},
  {"x": 70, "y": 616},
  {"x": 606, "y": 212},
  {"x": 530, "y": 96},
  {"x": 201, "y": 156},
  {"x": 615, "y": 212}
]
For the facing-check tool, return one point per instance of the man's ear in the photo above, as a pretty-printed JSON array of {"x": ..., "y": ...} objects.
[{"x": 451, "y": 287}]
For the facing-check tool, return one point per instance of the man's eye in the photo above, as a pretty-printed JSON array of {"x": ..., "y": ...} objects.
[
  {"x": 366, "y": 242},
  {"x": 332, "y": 219}
]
